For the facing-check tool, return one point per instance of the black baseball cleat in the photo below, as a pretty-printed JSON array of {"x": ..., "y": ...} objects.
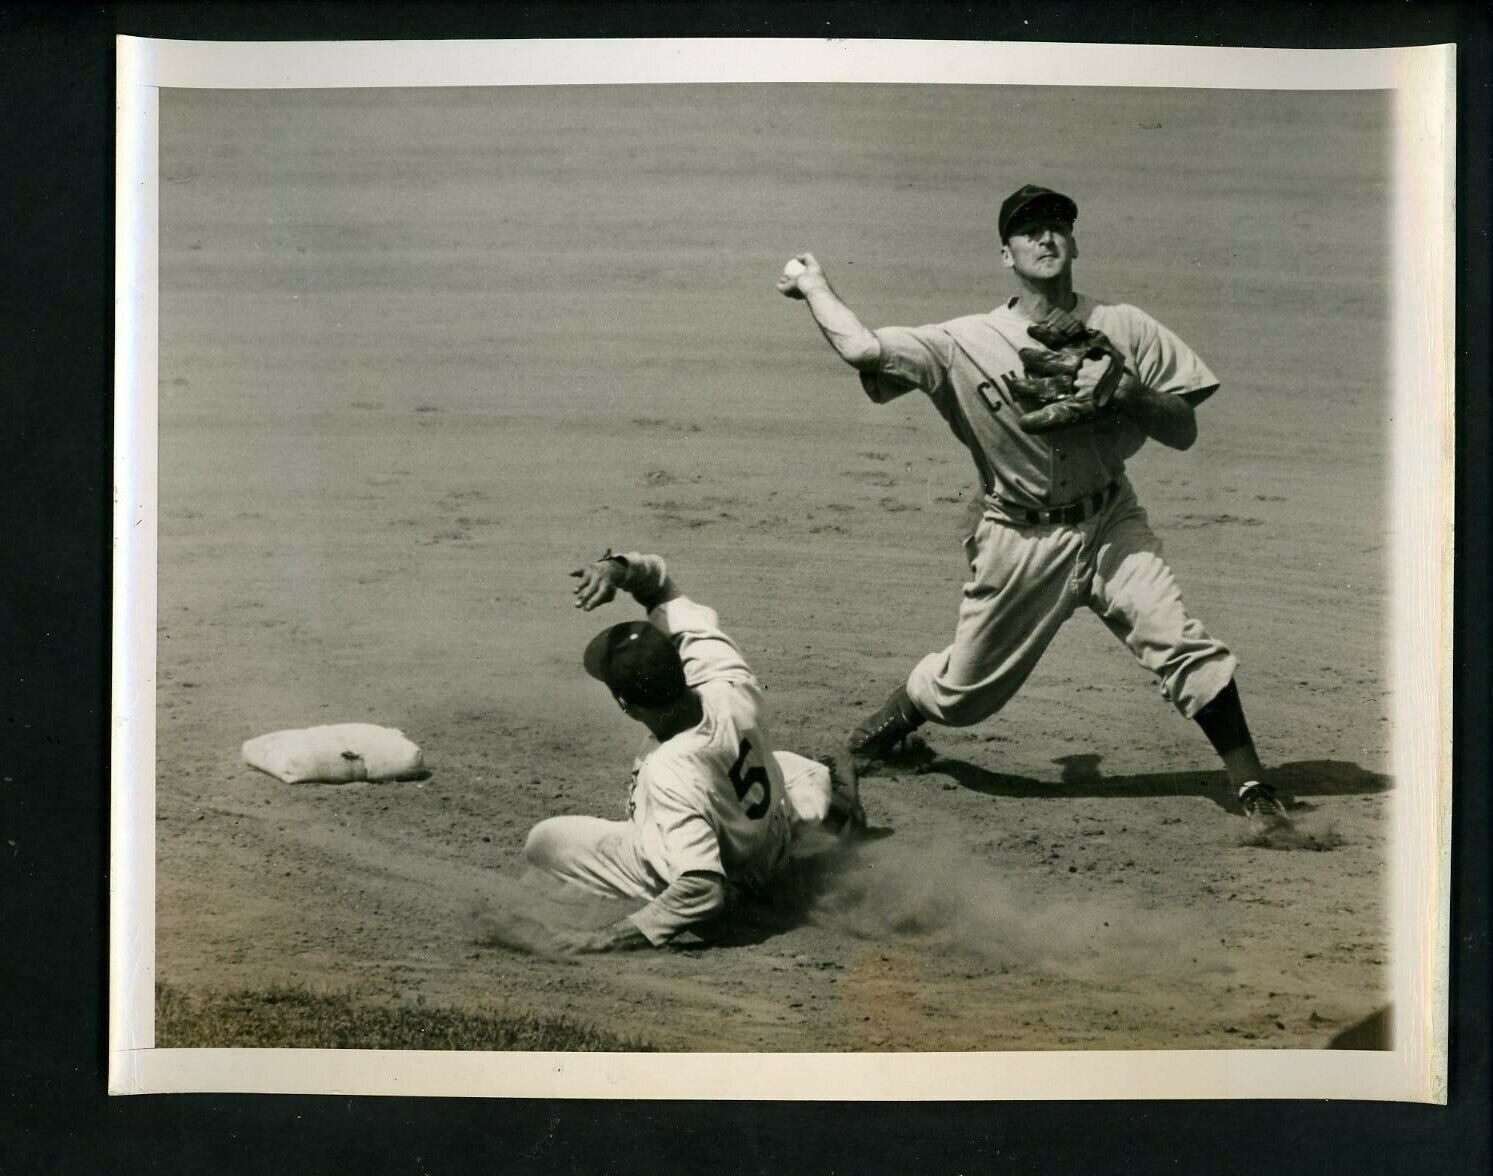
[
  {"x": 879, "y": 735},
  {"x": 1263, "y": 808}
]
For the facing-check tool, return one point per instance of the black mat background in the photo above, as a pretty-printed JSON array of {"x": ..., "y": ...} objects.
[{"x": 57, "y": 78}]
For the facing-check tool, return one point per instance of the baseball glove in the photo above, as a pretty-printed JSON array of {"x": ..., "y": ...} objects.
[{"x": 1049, "y": 386}]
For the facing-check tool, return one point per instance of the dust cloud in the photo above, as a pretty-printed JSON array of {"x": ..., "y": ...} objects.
[
  {"x": 884, "y": 893},
  {"x": 952, "y": 903},
  {"x": 1312, "y": 833},
  {"x": 522, "y": 913}
]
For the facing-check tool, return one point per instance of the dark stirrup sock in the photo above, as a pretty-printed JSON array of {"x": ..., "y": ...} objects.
[{"x": 1222, "y": 721}]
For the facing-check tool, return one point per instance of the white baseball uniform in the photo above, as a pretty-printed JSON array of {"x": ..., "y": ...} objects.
[
  {"x": 1029, "y": 575},
  {"x": 715, "y": 799}
]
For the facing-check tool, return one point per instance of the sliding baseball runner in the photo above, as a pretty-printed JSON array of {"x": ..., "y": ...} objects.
[{"x": 712, "y": 803}]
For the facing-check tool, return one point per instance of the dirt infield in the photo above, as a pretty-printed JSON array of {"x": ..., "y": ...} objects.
[{"x": 423, "y": 352}]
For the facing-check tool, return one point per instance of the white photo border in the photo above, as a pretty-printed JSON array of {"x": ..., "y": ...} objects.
[{"x": 1420, "y": 656}]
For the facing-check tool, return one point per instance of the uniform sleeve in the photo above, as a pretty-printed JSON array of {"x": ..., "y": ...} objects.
[
  {"x": 689, "y": 839},
  {"x": 689, "y": 899},
  {"x": 911, "y": 357},
  {"x": 1166, "y": 364},
  {"x": 708, "y": 654},
  {"x": 646, "y": 579}
]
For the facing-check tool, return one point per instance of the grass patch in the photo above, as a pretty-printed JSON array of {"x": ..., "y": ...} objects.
[{"x": 286, "y": 1017}]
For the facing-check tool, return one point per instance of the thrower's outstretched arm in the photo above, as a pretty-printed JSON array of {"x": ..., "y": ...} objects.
[{"x": 853, "y": 341}]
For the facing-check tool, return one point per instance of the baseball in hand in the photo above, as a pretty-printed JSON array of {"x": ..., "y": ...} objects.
[{"x": 787, "y": 283}]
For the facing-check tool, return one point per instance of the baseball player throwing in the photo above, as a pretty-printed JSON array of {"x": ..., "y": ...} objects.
[
  {"x": 1051, "y": 392},
  {"x": 710, "y": 799}
]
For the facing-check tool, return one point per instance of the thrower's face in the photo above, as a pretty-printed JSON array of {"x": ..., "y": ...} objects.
[{"x": 1040, "y": 250}]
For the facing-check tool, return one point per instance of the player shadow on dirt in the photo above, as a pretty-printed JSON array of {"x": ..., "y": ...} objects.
[{"x": 1081, "y": 777}]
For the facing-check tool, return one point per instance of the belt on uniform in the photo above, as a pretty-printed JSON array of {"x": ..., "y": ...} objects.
[{"x": 1068, "y": 515}]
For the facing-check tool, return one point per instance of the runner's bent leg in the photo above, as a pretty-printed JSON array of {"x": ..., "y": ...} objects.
[{"x": 597, "y": 855}]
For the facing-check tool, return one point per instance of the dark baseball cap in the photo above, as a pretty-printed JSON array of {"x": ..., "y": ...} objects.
[
  {"x": 1030, "y": 202},
  {"x": 637, "y": 663}
]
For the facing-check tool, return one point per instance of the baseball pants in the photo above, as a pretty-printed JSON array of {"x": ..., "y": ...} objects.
[
  {"x": 605, "y": 857},
  {"x": 1027, "y": 580}
]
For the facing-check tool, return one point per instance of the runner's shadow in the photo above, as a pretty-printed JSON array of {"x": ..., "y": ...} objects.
[{"x": 1081, "y": 777}]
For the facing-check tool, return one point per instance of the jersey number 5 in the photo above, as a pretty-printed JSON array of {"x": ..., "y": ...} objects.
[{"x": 747, "y": 778}]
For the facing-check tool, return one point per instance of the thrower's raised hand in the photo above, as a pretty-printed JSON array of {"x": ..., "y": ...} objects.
[
  {"x": 800, "y": 272},
  {"x": 599, "y": 581}
]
